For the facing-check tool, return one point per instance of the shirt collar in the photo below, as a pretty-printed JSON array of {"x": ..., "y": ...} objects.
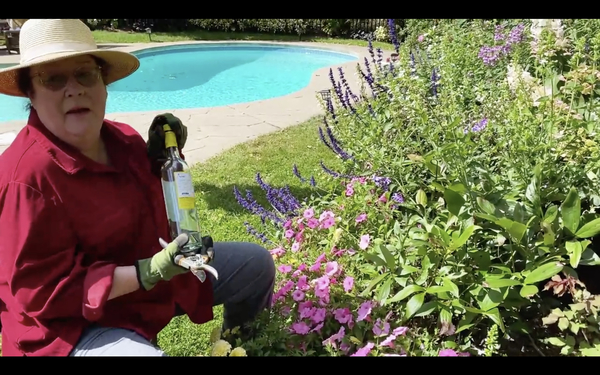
[{"x": 70, "y": 159}]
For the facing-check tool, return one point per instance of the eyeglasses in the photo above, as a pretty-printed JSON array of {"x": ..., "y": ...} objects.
[{"x": 86, "y": 76}]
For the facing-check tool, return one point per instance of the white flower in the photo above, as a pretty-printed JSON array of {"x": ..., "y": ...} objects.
[
  {"x": 554, "y": 25},
  {"x": 516, "y": 75}
]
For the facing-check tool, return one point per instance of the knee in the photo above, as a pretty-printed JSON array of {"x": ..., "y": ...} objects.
[{"x": 263, "y": 261}]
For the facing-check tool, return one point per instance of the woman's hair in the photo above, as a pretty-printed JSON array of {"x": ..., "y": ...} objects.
[{"x": 26, "y": 86}]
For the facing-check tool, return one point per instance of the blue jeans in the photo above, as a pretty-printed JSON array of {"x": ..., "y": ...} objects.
[{"x": 245, "y": 288}]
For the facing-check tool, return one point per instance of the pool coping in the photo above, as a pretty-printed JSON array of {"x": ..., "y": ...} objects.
[{"x": 215, "y": 129}]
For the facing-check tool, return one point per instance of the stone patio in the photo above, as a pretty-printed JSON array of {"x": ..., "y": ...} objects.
[{"x": 213, "y": 130}]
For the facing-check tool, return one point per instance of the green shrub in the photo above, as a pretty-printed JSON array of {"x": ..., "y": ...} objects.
[{"x": 467, "y": 208}]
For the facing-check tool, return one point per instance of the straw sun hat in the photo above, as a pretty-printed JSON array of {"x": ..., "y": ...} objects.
[{"x": 44, "y": 41}]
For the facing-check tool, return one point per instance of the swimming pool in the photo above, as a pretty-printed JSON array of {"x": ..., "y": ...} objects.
[{"x": 206, "y": 75}]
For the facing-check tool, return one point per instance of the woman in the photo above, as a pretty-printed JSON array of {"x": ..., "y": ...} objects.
[{"x": 82, "y": 271}]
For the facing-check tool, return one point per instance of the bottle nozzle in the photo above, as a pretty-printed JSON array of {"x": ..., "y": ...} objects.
[{"x": 170, "y": 140}]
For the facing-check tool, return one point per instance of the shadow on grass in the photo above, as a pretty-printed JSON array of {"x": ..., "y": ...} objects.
[{"x": 222, "y": 197}]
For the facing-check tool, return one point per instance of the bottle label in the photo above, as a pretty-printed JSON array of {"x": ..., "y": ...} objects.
[{"x": 186, "y": 198}]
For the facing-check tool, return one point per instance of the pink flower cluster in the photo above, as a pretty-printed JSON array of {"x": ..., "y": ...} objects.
[
  {"x": 452, "y": 353},
  {"x": 295, "y": 230},
  {"x": 307, "y": 295},
  {"x": 350, "y": 185}
]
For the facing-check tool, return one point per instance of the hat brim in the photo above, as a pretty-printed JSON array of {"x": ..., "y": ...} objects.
[{"x": 121, "y": 64}]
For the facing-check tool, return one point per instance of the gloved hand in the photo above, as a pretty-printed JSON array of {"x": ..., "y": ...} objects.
[
  {"x": 207, "y": 251},
  {"x": 161, "y": 266},
  {"x": 156, "y": 135}
]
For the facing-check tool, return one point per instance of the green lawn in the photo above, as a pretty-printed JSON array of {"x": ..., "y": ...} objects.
[
  {"x": 104, "y": 36},
  {"x": 273, "y": 155}
]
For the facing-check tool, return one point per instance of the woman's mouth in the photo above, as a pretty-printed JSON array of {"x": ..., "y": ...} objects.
[{"x": 78, "y": 111}]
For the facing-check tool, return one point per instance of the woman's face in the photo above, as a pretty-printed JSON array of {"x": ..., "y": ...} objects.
[{"x": 70, "y": 99}]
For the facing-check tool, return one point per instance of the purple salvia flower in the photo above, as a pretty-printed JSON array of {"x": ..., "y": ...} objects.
[
  {"x": 281, "y": 199},
  {"x": 336, "y": 87},
  {"x": 434, "y": 82},
  {"x": 331, "y": 110},
  {"x": 379, "y": 58},
  {"x": 261, "y": 236},
  {"x": 368, "y": 77},
  {"x": 397, "y": 197},
  {"x": 382, "y": 182},
  {"x": 251, "y": 205},
  {"x": 312, "y": 181},
  {"x": 393, "y": 35},
  {"x": 371, "y": 111},
  {"x": 490, "y": 55},
  {"x": 297, "y": 173},
  {"x": 516, "y": 35},
  {"x": 348, "y": 103},
  {"x": 333, "y": 173},
  {"x": 272, "y": 195},
  {"x": 256, "y": 208},
  {"x": 322, "y": 137},
  {"x": 291, "y": 200},
  {"x": 480, "y": 125},
  {"x": 499, "y": 33},
  {"x": 346, "y": 85},
  {"x": 371, "y": 52},
  {"x": 335, "y": 145}
]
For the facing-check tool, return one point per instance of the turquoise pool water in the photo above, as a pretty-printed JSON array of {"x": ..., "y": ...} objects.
[{"x": 195, "y": 76}]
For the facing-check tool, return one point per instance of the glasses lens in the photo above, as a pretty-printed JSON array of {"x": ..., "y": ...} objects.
[
  {"x": 87, "y": 77},
  {"x": 54, "y": 82}
]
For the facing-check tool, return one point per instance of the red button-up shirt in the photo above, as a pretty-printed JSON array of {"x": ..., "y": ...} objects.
[{"x": 66, "y": 222}]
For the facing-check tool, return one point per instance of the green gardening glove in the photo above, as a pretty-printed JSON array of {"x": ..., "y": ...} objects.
[
  {"x": 162, "y": 265},
  {"x": 156, "y": 135}
]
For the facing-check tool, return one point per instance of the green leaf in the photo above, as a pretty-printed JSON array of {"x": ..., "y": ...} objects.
[
  {"x": 515, "y": 229},
  {"x": 532, "y": 192},
  {"x": 490, "y": 298},
  {"x": 500, "y": 283},
  {"x": 551, "y": 214},
  {"x": 494, "y": 315},
  {"x": 389, "y": 258},
  {"x": 487, "y": 217},
  {"x": 589, "y": 258},
  {"x": 414, "y": 304},
  {"x": 464, "y": 237},
  {"x": 556, "y": 341},
  {"x": 384, "y": 292},
  {"x": 426, "y": 309},
  {"x": 563, "y": 323},
  {"x": 571, "y": 211},
  {"x": 529, "y": 291},
  {"x": 486, "y": 206},
  {"x": 421, "y": 198},
  {"x": 375, "y": 259},
  {"x": 453, "y": 288},
  {"x": 544, "y": 272},
  {"x": 406, "y": 292},
  {"x": 590, "y": 229},
  {"x": 406, "y": 270},
  {"x": 454, "y": 201},
  {"x": 373, "y": 283},
  {"x": 574, "y": 250}
]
